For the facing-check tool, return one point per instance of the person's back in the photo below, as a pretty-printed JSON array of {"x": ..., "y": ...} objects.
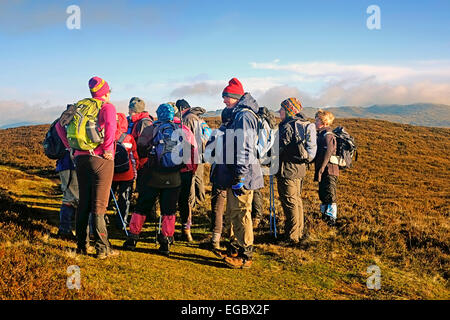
[
  {"x": 326, "y": 173},
  {"x": 297, "y": 146}
]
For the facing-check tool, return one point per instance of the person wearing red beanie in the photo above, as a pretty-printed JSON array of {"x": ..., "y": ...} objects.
[
  {"x": 232, "y": 93},
  {"x": 244, "y": 173}
]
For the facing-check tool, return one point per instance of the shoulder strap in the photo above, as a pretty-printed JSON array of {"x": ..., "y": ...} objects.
[{"x": 122, "y": 137}]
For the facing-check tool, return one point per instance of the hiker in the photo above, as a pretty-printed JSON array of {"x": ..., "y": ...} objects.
[
  {"x": 219, "y": 178},
  {"x": 95, "y": 169},
  {"x": 297, "y": 147},
  {"x": 138, "y": 120},
  {"x": 326, "y": 173},
  {"x": 245, "y": 172},
  {"x": 163, "y": 180},
  {"x": 69, "y": 186},
  {"x": 125, "y": 169},
  {"x": 191, "y": 118}
]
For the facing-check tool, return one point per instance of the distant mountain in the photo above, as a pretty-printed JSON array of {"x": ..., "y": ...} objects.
[
  {"x": 420, "y": 114},
  {"x": 18, "y": 124}
]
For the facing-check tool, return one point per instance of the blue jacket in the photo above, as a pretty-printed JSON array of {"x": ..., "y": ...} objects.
[
  {"x": 65, "y": 163},
  {"x": 244, "y": 162},
  {"x": 220, "y": 176}
]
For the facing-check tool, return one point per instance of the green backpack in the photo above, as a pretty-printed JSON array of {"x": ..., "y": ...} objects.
[{"x": 82, "y": 131}]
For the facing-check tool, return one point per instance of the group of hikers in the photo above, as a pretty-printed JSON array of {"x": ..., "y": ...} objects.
[{"x": 108, "y": 153}]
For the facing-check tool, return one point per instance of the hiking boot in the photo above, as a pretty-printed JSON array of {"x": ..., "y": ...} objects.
[
  {"x": 130, "y": 244},
  {"x": 164, "y": 247},
  {"x": 186, "y": 236},
  {"x": 238, "y": 263},
  {"x": 68, "y": 236},
  {"x": 331, "y": 221},
  {"x": 107, "y": 254},
  {"x": 222, "y": 254}
]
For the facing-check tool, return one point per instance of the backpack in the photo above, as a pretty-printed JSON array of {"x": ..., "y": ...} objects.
[
  {"x": 163, "y": 146},
  {"x": 122, "y": 156},
  {"x": 83, "y": 132},
  {"x": 53, "y": 145},
  {"x": 135, "y": 129},
  {"x": 265, "y": 132},
  {"x": 345, "y": 149},
  {"x": 297, "y": 147}
]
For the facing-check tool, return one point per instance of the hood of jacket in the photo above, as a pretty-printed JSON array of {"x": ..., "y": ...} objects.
[
  {"x": 138, "y": 116},
  {"x": 246, "y": 102},
  {"x": 122, "y": 125}
]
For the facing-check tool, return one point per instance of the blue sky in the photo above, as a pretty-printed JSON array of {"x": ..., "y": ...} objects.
[{"x": 321, "y": 52}]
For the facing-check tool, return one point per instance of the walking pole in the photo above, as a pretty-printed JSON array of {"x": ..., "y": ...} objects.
[
  {"x": 158, "y": 230},
  {"x": 270, "y": 204},
  {"x": 120, "y": 215},
  {"x": 272, "y": 208}
]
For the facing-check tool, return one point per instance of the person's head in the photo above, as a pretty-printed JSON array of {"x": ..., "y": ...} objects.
[
  {"x": 323, "y": 118},
  {"x": 289, "y": 108},
  {"x": 182, "y": 105},
  {"x": 165, "y": 112},
  {"x": 99, "y": 88},
  {"x": 232, "y": 93},
  {"x": 136, "y": 105}
]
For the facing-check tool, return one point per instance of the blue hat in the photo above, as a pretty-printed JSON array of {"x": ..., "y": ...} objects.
[{"x": 165, "y": 112}]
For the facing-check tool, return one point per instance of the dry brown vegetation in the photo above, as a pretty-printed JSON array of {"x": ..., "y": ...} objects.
[{"x": 393, "y": 210}]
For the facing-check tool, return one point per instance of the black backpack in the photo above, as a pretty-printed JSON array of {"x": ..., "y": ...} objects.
[
  {"x": 53, "y": 145},
  {"x": 345, "y": 149},
  {"x": 122, "y": 157}
]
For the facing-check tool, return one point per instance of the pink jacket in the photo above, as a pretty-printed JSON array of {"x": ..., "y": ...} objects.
[{"x": 106, "y": 121}]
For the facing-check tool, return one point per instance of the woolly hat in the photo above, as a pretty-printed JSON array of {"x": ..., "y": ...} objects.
[
  {"x": 165, "y": 112},
  {"x": 98, "y": 87},
  {"x": 234, "y": 89},
  {"x": 292, "y": 106},
  {"x": 136, "y": 105},
  {"x": 182, "y": 104}
]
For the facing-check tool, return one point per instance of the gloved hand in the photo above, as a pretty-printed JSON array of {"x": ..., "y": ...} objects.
[{"x": 238, "y": 187}]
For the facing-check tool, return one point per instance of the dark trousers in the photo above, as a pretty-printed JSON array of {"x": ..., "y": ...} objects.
[
  {"x": 123, "y": 190},
  {"x": 94, "y": 178},
  {"x": 257, "y": 205},
  {"x": 289, "y": 192},
  {"x": 168, "y": 199},
  {"x": 218, "y": 202},
  {"x": 198, "y": 194},
  {"x": 327, "y": 188},
  {"x": 183, "y": 202}
]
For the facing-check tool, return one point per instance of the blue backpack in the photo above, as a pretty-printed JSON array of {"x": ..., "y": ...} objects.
[{"x": 164, "y": 147}]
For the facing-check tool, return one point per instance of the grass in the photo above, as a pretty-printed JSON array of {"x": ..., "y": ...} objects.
[{"x": 393, "y": 212}]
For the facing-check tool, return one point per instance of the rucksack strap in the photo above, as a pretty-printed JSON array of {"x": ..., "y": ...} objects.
[{"x": 122, "y": 137}]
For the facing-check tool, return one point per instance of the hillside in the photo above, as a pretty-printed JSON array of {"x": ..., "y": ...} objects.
[
  {"x": 420, "y": 114},
  {"x": 394, "y": 212}
]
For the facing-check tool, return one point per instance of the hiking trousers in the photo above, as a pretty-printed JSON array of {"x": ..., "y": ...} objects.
[
  {"x": 257, "y": 205},
  {"x": 69, "y": 187},
  {"x": 289, "y": 192},
  {"x": 327, "y": 188},
  {"x": 198, "y": 194},
  {"x": 240, "y": 215},
  {"x": 184, "y": 203},
  {"x": 94, "y": 177},
  {"x": 218, "y": 203}
]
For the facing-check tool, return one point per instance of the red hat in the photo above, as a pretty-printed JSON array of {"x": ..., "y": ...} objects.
[
  {"x": 98, "y": 87},
  {"x": 234, "y": 89}
]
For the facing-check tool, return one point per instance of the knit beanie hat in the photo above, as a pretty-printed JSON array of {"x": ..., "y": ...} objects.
[
  {"x": 165, "y": 112},
  {"x": 292, "y": 106},
  {"x": 136, "y": 105},
  {"x": 182, "y": 104},
  {"x": 234, "y": 89},
  {"x": 98, "y": 87}
]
